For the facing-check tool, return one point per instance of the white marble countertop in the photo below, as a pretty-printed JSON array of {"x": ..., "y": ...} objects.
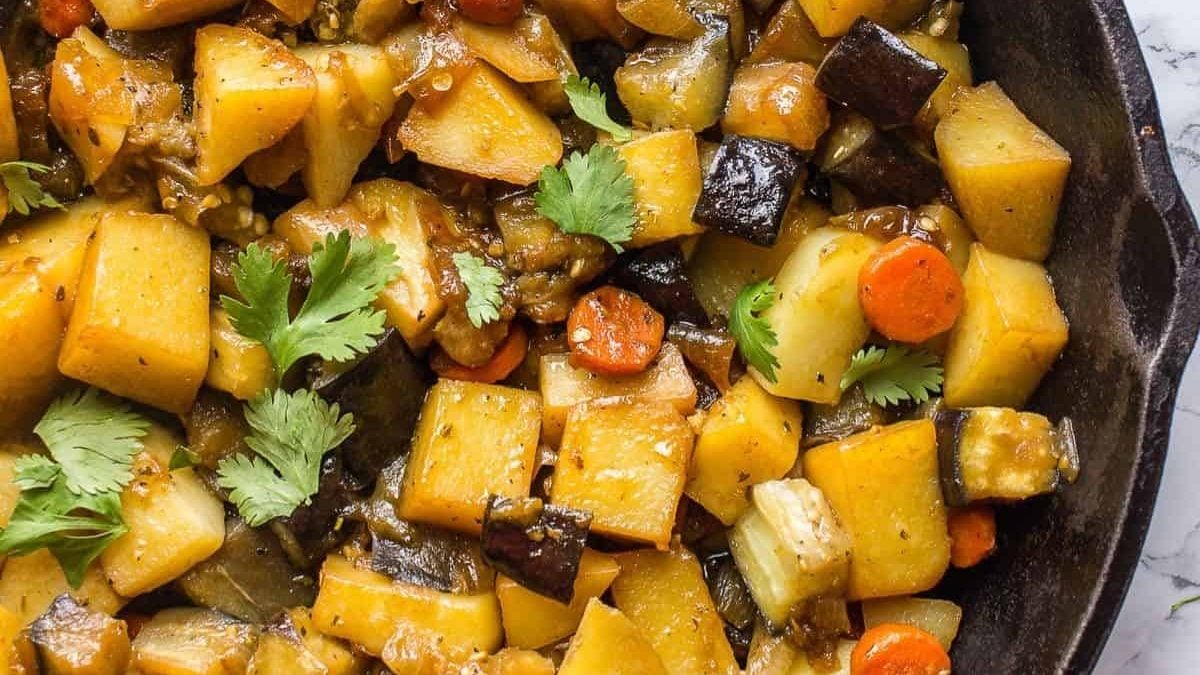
[{"x": 1148, "y": 638}]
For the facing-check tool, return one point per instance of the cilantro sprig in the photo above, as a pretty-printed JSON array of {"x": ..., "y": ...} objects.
[
  {"x": 590, "y": 194},
  {"x": 483, "y": 284},
  {"x": 1183, "y": 603},
  {"x": 336, "y": 321},
  {"x": 70, "y": 502},
  {"x": 753, "y": 334},
  {"x": 290, "y": 433},
  {"x": 24, "y": 193},
  {"x": 591, "y": 105},
  {"x": 894, "y": 374}
]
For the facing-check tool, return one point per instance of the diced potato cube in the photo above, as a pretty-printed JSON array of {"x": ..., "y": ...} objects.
[
  {"x": 473, "y": 441},
  {"x": 140, "y": 324},
  {"x": 817, "y": 315},
  {"x": 1007, "y": 174},
  {"x": 665, "y": 168},
  {"x": 174, "y": 522},
  {"x": 790, "y": 36},
  {"x": 505, "y": 48},
  {"x": 150, "y": 14},
  {"x": 1009, "y": 334},
  {"x": 354, "y": 99},
  {"x": 663, "y": 593},
  {"x": 274, "y": 166},
  {"x": 30, "y": 336},
  {"x": 53, "y": 244},
  {"x": 748, "y": 437},
  {"x": 239, "y": 365},
  {"x": 777, "y": 101},
  {"x": 365, "y": 607},
  {"x": 778, "y": 655},
  {"x": 294, "y": 645},
  {"x": 77, "y": 640},
  {"x": 532, "y": 621},
  {"x": 192, "y": 641},
  {"x": 661, "y": 17},
  {"x": 564, "y": 387},
  {"x": 625, "y": 462},
  {"x": 338, "y": 657},
  {"x": 939, "y": 618},
  {"x": 883, "y": 485},
  {"x": 295, "y": 11},
  {"x": 834, "y": 17},
  {"x": 11, "y": 639},
  {"x": 589, "y": 19},
  {"x": 790, "y": 547},
  {"x": 608, "y": 642},
  {"x": 250, "y": 91},
  {"x": 484, "y": 126},
  {"x": 723, "y": 264},
  {"x": 513, "y": 662},
  {"x": 279, "y": 652},
  {"x": 954, "y": 58},
  {"x": 31, "y": 582}
]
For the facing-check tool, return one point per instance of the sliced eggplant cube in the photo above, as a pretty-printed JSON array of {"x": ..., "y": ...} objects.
[
  {"x": 876, "y": 73},
  {"x": 384, "y": 390},
  {"x": 999, "y": 454},
  {"x": 537, "y": 545},
  {"x": 879, "y": 168},
  {"x": 747, "y": 187},
  {"x": 659, "y": 275},
  {"x": 431, "y": 557},
  {"x": 851, "y": 415},
  {"x": 598, "y": 61}
]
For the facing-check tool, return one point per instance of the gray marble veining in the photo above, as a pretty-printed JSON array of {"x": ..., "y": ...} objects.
[{"x": 1148, "y": 638}]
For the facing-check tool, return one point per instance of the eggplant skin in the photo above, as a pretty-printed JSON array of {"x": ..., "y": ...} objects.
[
  {"x": 431, "y": 557},
  {"x": 537, "y": 545},
  {"x": 876, "y": 73},
  {"x": 949, "y": 423},
  {"x": 883, "y": 170},
  {"x": 384, "y": 390},
  {"x": 747, "y": 188},
  {"x": 598, "y": 61},
  {"x": 659, "y": 275}
]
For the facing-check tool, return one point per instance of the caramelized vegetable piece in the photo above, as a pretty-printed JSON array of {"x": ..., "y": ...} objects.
[
  {"x": 779, "y": 102},
  {"x": 30, "y": 336},
  {"x": 665, "y": 169},
  {"x": 564, "y": 386},
  {"x": 876, "y": 73},
  {"x": 539, "y": 545},
  {"x": 528, "y": 51},
  {"x": 508, "y": 356},
  {"x": 60, "y": 18},
  {"x": 939, "y": 618},
  {"x": 897, "y": 649},
  {"x": 139, "y": 328},
  {"x": 295, "y": 11},
  {"x": 677, "y": 84},
  {"x": 709, "y": 350},
  {"x": 972, "y": 535},
  {"x": 879, "y": 168},
  {"x": 532, "y": 621},
  {"x": 16, "y": 652},
  {"x": 193, "y": 642},
  {"x": 608, "y": 642},
  {"x": 453, "y": 468},
  {"x": 485, "y": 126},
  {"x": 663, "y": 593},
  {"x": 952, "y": 56},
  {"x": 591, "y": 19},
  {"x": 747, "y": 188},
  {"x": 1010, "y": 333},
  {"x": 495, "y": 12},
  {"x": 365, "y": 608},
  {"x": 669, "y": 18},
  {"x": 626, "y": 464},
  {"x": 614, "y": 332},
  {"x": 910, "y": 291},
  {"x": 250, "y": 91},
  {"x": 748, "y": 437},
  {"x": 248, "y": 578},
  {"x": 790, "y": 36},
  {"x": 1006, "y": 173},
  {"x": 150, "y": 14},
  {"x": 77, "y": 640},
  {"x": 883, "y": 485},
  {"x": 852, "y": 414}
]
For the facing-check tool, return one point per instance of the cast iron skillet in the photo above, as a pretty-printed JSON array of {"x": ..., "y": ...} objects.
[{"x": 1126, "y": 268}]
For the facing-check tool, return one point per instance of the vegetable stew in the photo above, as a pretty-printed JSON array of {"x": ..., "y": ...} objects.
[{"x": 511, "y": 337}]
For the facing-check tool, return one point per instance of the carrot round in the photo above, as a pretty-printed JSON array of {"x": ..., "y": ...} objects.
[
  {"x": 972, "y": 535},
  {"x": 614, "y": 332},
  {"x": 898, "y": 649},
  {"x": 60, "y": 18},
  {"x": 910, "y": 291},
  {"x": 508, "y": 356}
]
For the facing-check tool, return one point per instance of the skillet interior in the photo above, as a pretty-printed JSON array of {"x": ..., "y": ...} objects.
[{"x": 1124, "y": 266}]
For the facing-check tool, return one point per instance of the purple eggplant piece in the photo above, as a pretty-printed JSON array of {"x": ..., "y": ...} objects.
[
  {"x": 747, "y": 188},
  {"x": 659, "y": 275},
  {"x": 537, "y": 545}
]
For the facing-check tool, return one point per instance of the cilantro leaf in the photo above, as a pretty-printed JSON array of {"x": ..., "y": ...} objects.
[
  {"x": 290, "y": 433},
  {"x": 93, "y": 438},
  {"x": 1183, "y": 603},
  {"x": 183, "y": 458},
  {"x": 895, "y": 374},
  {"x": 483, "y": 284},
  {"x": 336, "y": 321},
  {"x": 33, "y": 472},
  {"x": 591, "y": 105},
  {"x": 74, "y": 528},
  {"x": 753, "y": 334},
  {"x": 24, "y": 193},
  {"x": 590, "y": 194}
]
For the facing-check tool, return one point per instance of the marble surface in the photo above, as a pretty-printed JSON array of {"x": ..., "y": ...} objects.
[{"x": 1148, "y": 637}]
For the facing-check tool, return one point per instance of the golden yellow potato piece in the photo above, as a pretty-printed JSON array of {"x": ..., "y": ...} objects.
[
  {"x": 532, "y": 620},
  {"x": 238, "y": 365},
  {"x": 608, "y": 642},
  {"x": 31, "y": 328},
  {"x": 777, "y": 101},
  {"x": 149, "y": 14},
  {"x": 665, "y": 168}
]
